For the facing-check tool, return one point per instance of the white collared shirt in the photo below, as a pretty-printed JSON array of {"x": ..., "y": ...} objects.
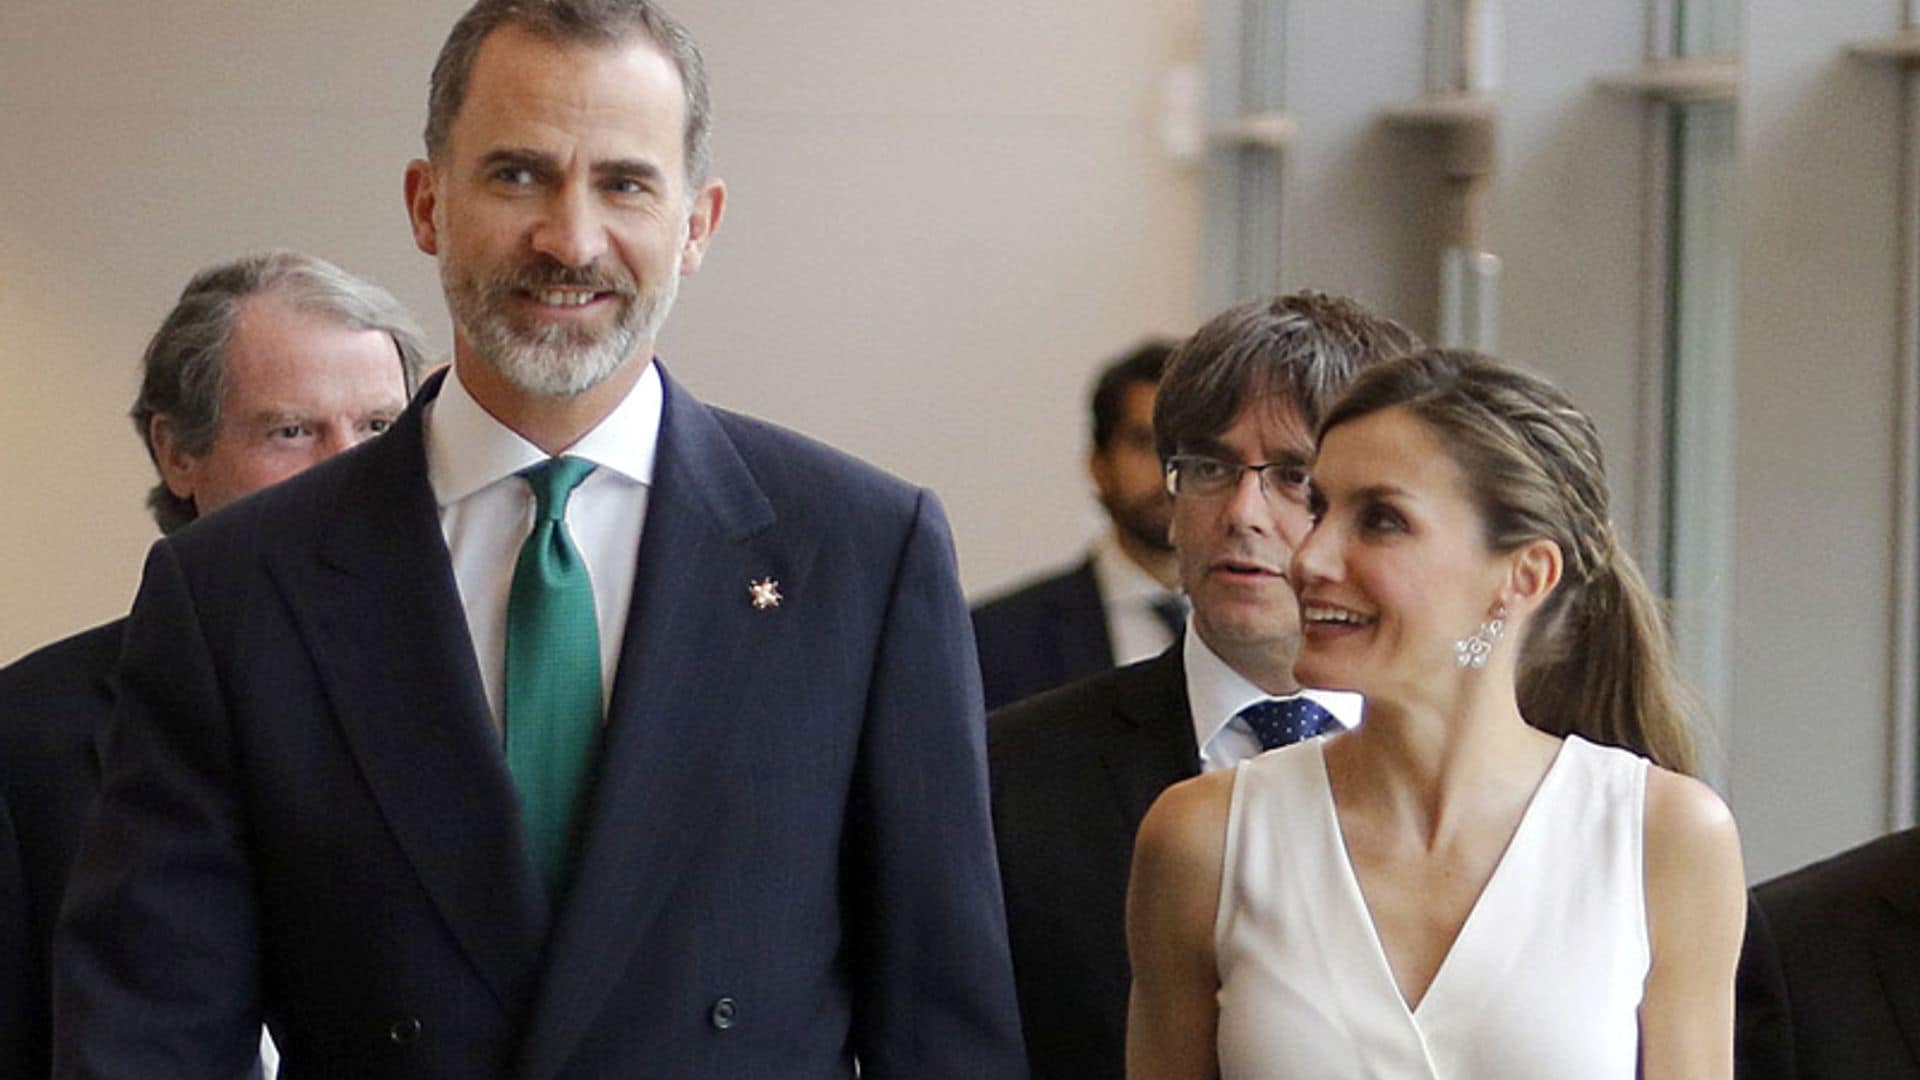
[
  {"x": 486, "y": 513},
  {"x": 1127, "y": 594},
  {"x": 1216, "y": 693}
]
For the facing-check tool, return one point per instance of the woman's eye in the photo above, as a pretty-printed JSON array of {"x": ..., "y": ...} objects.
[{"x": 1381, "y": 519}]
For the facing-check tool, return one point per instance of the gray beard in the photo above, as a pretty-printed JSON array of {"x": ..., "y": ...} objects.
[{"x": 549, "y": 360}]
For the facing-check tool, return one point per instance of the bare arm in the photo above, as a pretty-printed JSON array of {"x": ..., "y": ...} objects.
[
  {"x": 1696, "y": 912},
  {"x": 1171, "y": 903}
]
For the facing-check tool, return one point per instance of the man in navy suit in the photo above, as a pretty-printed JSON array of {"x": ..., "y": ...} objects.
[
  {"x": 265, "y": 366},
  {"x": 1075, "y": 769},
  {"x": 350, "y": 791},
  {"x": 1119, "y": 604}
]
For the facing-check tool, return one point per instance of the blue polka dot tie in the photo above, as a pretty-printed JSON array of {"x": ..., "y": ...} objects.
[{"x": 1287, "y": 720}]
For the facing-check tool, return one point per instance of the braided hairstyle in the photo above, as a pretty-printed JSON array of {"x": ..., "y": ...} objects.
[{"x": 1596, "y": 660}]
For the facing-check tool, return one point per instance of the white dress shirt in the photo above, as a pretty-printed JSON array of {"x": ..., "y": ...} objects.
[
  {"x": 486, "y": 513},
  {"x": 1216, "y": 693},
  {"x": 1127, "y": 594}
]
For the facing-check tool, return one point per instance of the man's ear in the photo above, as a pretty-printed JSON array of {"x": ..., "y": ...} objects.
[
  {"x": 1099, "y": 469},
  {"x": 1533, "y": 572},
  {"x": 703, "y": 219},
  {"x": 422, "y": 198},
  {"x": 179, "y": 470}
]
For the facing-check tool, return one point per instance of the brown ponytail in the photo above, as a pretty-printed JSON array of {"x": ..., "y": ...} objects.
[{"x": 1597, "y": 660}]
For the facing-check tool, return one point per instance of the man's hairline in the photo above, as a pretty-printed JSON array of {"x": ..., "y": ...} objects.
[
  {"x": 436, "y": 158},
  {"x": 1248, "y": 400},
  {"x": 279, "y": 293}
]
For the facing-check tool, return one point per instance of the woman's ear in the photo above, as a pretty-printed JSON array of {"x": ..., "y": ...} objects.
[{"x": 1533, "y": 572}]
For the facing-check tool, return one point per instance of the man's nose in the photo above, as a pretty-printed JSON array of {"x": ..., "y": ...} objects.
[
  {"x": 1248, "y": 505},
  {"x": 335, "y": 438},
  {"x": 570, "y": 230}
]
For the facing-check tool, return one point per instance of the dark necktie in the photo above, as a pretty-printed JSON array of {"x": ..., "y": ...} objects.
[
  {"x": 1287, "y": 720},
  {"x": 1171, "y": 609},
  {"x": 552, "y": 675}
]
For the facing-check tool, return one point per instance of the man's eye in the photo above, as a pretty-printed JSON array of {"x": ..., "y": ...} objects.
[
  {"x": 288, "y": 431},
  {"x": 1290, "y": 476},
  {"x": 626, "y": 186},
  {"x": 379, "y": 425},
  {"x": 1208, "y": 471},
  {"x": 514, "y": 175}
]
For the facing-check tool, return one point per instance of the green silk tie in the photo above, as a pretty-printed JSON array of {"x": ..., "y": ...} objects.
[{"x": 553, "y": 676}]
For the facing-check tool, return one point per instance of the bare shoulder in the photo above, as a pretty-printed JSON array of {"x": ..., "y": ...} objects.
[
  {"x": 1686, "y": 820},
  {"x": 1694, "y": 877},
  {"x": 1186, "y": 828}
]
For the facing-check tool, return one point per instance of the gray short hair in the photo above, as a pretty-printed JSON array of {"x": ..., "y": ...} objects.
[
  {"x": 1303, "y": 347},
  {"x": 572, "y": 22},
  {"x": 183, "y": 374}
]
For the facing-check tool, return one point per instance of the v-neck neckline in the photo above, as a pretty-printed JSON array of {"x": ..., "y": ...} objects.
[{"x": 1351, "y": 880}]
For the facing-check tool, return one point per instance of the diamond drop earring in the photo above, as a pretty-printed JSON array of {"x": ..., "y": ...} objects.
[{"x": 1472, "y": 651}]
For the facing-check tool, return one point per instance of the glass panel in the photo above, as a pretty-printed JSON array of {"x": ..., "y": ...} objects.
[
  {"x": 1245, "y": 65},
  {"x": 1698, "y": 548},
  {"x": 1706, "y": 28}
]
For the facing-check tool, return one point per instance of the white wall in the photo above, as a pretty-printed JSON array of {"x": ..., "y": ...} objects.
[{"x": 942, "y": 219}]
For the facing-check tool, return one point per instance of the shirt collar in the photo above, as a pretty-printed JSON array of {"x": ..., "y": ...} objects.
[
  {"x": 468, "y": 449},
  {"x": 1216, "y": 693}
]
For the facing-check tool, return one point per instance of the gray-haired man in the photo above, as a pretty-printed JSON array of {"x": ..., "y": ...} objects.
[{"x": 265, "y": 365}]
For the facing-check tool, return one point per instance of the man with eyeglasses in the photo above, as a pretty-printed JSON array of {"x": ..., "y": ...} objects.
[{"x": 1074, "y": 770}]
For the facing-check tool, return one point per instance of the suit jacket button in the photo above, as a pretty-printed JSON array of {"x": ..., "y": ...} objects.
[
  {"x": 723, "y": 1013},
  {"x": 404, "y": 1030}
]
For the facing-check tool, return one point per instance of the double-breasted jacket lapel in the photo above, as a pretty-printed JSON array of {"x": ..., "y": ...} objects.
[
  {"x": 1154, "y": 746},
  {"x": 381, "y": 617},
  {"x": 689, "y": 670}
]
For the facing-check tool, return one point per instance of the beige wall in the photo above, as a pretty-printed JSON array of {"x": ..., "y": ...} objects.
[
  {"x": 944, "y": 216},
  {"x": 940, "y": 222}
]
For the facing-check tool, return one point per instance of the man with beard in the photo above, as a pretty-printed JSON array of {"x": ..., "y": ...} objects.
[
  {"x": 1121, "y": 603},
  {"x": 576, "y": 728},
  {"x": 1074, "y": 770}
]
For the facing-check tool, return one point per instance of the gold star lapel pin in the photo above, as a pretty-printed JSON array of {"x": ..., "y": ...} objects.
[{"x": 765, "y": 593}]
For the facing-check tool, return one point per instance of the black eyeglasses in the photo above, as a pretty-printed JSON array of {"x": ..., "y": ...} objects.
[{"x": 1200, "y": 476}]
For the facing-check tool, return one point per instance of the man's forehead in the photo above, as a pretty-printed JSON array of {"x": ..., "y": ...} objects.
[
  {"x": 519, "y": 77},
  {"x": 1271, "y": 421}
]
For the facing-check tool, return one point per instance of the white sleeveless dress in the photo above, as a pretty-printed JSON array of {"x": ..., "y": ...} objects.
[{"x": 1544, "y": 980}]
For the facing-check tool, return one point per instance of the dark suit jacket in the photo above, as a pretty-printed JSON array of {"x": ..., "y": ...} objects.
[
  {"x": 54, "y": 704},
  {"x": 1834, "y": 955},
  {"x": 1073, "y": 773},
  {"x": 788, "y": 862},
  {"x": 1043, "y": 634}
]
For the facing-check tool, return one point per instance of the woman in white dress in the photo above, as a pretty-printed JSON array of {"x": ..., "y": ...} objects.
[{"x": 1481, "y": 880}]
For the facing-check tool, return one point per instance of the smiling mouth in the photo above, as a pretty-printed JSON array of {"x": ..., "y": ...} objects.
[
  {"x": 1332, "y": 617},
  {"x": 565, "y": 297}
]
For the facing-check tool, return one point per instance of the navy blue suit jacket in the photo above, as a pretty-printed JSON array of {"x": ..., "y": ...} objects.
[
  {"x": 307, "y": 814},
  {"x": 54, "y": 704},
  {"x": 1045, "y": 633}
]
